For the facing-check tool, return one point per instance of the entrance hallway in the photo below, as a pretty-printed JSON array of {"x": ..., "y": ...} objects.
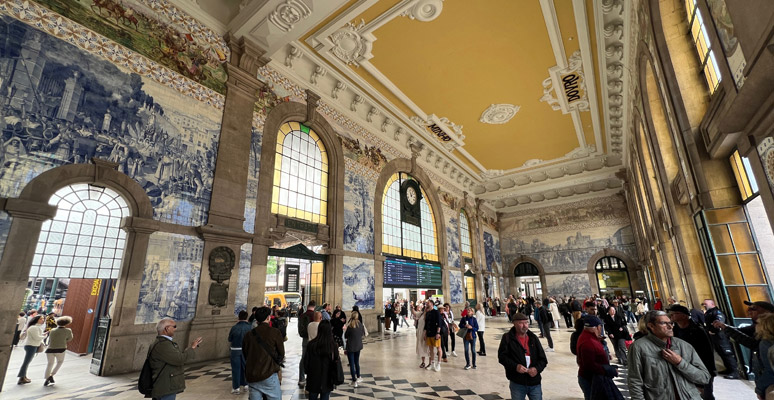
[{"x": 388, "y": 363}]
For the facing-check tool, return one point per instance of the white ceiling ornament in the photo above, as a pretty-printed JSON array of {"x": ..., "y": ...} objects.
[
  {"x": 492, "y": 173},
  {"x": 424, "y": 10},
  {"x": 289, "y": 13},
  {"x": 532, "y": 162},
  {"x": 565, "y": 88},
  {"x": 350, "y": 46},
  {"x": 499, "y": 113}
]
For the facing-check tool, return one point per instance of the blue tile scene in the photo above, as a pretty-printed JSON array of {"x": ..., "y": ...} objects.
[
  {"x": 5, "y": 229},
  {"x": 62, "y": 105},
  {"x": 358, "y": 283},
  {"x": 243, "y": 284},
  {"x": 455, "y": 286},
  {"x": 358, "y": 213},
  {"x": 170, "y": 281},
  {"x": 251, "y": 198},
  {"x": 453, "y": 242},
  {"x": 492, "y": 252}
]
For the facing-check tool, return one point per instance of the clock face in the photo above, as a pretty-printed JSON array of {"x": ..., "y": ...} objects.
[{"x": 411, "y": 195}]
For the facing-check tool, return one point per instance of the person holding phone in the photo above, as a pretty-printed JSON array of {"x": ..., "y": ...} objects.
[{"x": 167, "y": 357}]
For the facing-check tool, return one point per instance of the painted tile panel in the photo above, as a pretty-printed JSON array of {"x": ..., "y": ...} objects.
[
  {"x": 568, "y": 285},
  {"x": 251, "y": 198},
  {"x": 492, "y": 252},
  {"x": 5, "y": 228},
  {"x": 358, "y": 283},
  {"x": 358, "y": 211},
  {"x": 63, "y": 105},
  {"x": 455, "y": 287},
  {"x": 243, "y": 284},
  {"x": 170, "y": 282},
  {"x": 453, "y": 242}
]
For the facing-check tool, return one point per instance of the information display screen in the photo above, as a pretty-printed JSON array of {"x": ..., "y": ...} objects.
[{"x": 399, "y": 273}]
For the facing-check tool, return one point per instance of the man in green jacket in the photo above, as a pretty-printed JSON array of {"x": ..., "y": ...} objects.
[
  {"x": 167, "y": 360},
  {"x": 662, "y": 366}
]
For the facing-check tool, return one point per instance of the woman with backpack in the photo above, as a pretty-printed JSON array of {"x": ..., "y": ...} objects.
[
  {"x": 354, "y": 334},
  {"x": 321, "y": 363},
  {"x": 33, "y": 338}
]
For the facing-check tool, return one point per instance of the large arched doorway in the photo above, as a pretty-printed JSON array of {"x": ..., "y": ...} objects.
[
  {"x": 527, "y": 276},
  {"x": 613, "y": 277}
]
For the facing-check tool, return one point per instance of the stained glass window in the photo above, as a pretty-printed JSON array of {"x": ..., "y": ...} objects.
[
  {"x": 300, "y": 174},
  {"x": 400, "y": 238},
  {"x": 84, "y": 239},
  {"x": 698, "y": 30},
  {"x": 465, "y": 235}
]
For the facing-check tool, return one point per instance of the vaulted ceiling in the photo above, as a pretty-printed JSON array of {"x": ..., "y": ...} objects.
[{"x": 520, "y": 103}]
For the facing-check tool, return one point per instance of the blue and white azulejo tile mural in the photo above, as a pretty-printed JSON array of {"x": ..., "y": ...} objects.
[
  {"x": 170, "y": 282},
  {"x": 5, "y": 228},
  {"x": 358, "y": 210},
  {"x": 492, "y": 252},
  {"x": 455, "y": 287},
  {"x": 453, "y": 242},
  {"x": 251, "y": 198},
  {"x": 568, "y": 285},
  {"x": 359, "y": 287},
  {"x": 243, "y": 284},
  {"x": 63, "y": 105}
]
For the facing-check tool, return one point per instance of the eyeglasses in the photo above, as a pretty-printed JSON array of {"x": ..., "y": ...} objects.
[{"x": 665, "y": 323}]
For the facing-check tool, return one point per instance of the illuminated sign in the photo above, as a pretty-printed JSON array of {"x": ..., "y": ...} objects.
[{"x": 400, "y": 273}]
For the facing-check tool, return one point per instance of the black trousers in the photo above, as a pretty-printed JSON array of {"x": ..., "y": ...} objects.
[
  {"x": 568, "y": 321},
  {"x": 723, "y": 347},
  {"x": 547, "y": 333},
  {"x": 481, "y": 344}
]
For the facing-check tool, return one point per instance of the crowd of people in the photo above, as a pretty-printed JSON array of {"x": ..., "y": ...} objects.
[{"x": 668, "y": 351}]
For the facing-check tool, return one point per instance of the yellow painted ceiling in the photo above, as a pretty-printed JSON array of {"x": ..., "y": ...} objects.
[{"x": 476, "y": 54}]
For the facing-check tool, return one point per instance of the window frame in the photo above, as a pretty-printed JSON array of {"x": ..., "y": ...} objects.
[
  {"x": 393, "y": 234},
  {"x": 700, "y": 37}
]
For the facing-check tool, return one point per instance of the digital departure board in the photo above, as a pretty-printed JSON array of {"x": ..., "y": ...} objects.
[{"x": 399, "y": 273}]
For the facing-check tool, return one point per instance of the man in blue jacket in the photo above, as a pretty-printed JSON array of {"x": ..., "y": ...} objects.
[
  {"x": 523, "y": 357},
  {"x": 235, "y": 338}
]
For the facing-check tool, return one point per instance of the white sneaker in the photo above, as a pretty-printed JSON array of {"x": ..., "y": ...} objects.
[
  {"x": 454, "y": 353},
  {"x": 429, "y": 365},
  {"x": 550, "y": 350},
  {"x": 437, "y": 366},
  {"x": 246, "y": 389},
  {"x": 354, "y": 384},
  {"x": 235, "y": 391},
  {"x": 359, "y": 380}
]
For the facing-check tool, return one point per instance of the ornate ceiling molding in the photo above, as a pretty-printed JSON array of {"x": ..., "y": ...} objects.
[
  {"x": 288, "y": 14},
  {"x": 424, "y": 10},
  {"x": 565, "y": 88},
  {"x": 499, "y": 113},
  {"x": 351, "y": 45}
]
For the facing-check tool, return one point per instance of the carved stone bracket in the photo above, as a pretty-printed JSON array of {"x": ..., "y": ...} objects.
[{"x": 312, "y": 101}]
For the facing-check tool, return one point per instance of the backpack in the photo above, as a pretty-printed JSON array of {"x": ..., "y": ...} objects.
[
  {"x": 303, "y": 322},
  {"x": 146, "y": 381}
]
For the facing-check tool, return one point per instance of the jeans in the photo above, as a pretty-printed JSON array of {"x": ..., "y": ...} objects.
[
  {"x": 520, "y": 392},
  {"x": 268, "y": 388},
  {"x": 547, "y": 333},
  {"x": 354, "y": 364},
  {"x": 168, "y": 397},
  {"x": 472, "y": 345},
  {"x": 585, "y": 386},
  {"x": 29, "y": 352},
  {"x": 481, "y": 345},
  {"x": 237, "y": 369},
  {"x": 301, "y": 374},
  {"x": 630, "y": 317},
  {"x": 321, "y": 396}
]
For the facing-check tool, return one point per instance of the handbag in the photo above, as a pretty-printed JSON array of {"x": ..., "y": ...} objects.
[
  {"x": 338, "y": 377},
  {"x": 462, "y": 332},
  {"x": 468, "y": 335}
]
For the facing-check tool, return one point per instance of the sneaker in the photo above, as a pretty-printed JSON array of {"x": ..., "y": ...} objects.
[
  {"x": 429, "y": 365},
  {"x": 359, "y": 380},
  {"x": 550, "y": 350},
  {"x": 354, "y": 384},
  {"x": 437, "y": 367},
  {"x": 454, "y": 353},
  {"x": 474, "y": 367},
  {"x": 236, "y": 391},
  {"x": 301, "y": 383},
  {"x": 51, "y": 378},
  {"x": 47, "y": 381},
  {"x": 246, "y": 389},
  {"x": 467, "y": 367}
]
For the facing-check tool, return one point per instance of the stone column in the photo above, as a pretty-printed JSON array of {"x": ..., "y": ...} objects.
[
  {"x": 227, "y": 205},
  {"x": 28, "y": 218}
]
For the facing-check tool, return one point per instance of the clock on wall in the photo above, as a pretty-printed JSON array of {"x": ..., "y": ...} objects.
[{"x": 410, "y": 195}]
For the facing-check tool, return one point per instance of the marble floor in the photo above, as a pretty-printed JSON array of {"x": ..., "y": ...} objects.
[{"x": 389, "y": 368}]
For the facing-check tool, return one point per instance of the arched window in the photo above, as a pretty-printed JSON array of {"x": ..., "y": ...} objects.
[
  {"x": 703, "y": 45},
  {"x": 525, "y": 269},
  {"x": 612, "y": 276},
  {"x": 84, "y": 240},
  {"x": 467, "y": 251},
  {"x": 403, "y": 239},
  {"x": 300, "y": 174}
]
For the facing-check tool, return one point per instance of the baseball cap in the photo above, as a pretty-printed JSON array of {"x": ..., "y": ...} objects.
[
  {"x": 591, "y": 321},
  {"x": 761, "y": 304}
]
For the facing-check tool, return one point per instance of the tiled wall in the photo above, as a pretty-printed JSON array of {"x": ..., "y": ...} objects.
[
  {"x": 455, "y": 287},
  {"x": 359, "y": 287}
]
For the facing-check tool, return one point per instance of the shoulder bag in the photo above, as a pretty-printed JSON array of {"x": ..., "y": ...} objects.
[
  {"x": 462, "y": 332},
  {"x": 338, "y": 377},
  {"x": 274, "y": 356}
]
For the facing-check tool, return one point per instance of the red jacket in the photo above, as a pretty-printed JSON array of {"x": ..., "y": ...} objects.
[{"x": 591, "y": 356}]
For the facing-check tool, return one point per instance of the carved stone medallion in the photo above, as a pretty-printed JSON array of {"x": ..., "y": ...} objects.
[
  {"x": 218, "y": 295},
  {"x": 222, "y": 261},
  {"x": 499, "y": 113}
]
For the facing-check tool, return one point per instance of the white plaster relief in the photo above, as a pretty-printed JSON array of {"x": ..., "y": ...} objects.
[
  {"x": 318, "y": 72},
  {"x": 553, "y": 85},
  {"x": 424, "y": 10},
  {"x": 340, "y": 85},
  {"x": 289, "y": 13},
  {"x": 499, "y": 113},
  {"x": 350, "y": 45},
  {"x": 294, "y": 53}
]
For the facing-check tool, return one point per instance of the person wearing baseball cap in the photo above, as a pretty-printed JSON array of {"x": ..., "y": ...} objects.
[
  {"x": 685, "y": 328},
  {"x": 746, "y": 335},
  {"x": 593, "y": 363}
]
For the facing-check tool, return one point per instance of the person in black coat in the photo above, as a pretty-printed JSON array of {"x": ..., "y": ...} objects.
[
  {"x": 338, "y": 319},
  {"x": 615, "y": 327},
  {"x": 719, "y": 338},
  {"x": 523, "y": 373},
  {"x": 685, "y": 328},
  {"x": 545, "y": 319},
  {"x": 322, "y": 354}
]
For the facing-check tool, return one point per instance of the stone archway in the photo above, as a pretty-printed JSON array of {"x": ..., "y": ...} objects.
[
  {"x": 510, "y": 271},
  {"x": 631, "y": 268}
]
